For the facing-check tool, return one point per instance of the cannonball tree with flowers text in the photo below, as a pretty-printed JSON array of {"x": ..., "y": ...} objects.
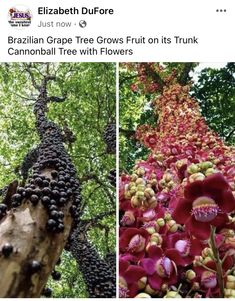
[{"x": 177, "y": 226}]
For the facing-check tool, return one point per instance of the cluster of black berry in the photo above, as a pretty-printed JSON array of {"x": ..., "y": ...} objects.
[
  {"x": 98, "y": 276},
  {"x": 112, "y": 177},
  {"x": 110, "y": 138}
]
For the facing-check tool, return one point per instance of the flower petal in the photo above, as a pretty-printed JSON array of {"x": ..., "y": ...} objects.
[
  {"x": 196, "y": 247},
  {"x": 123, "y": 265},
  {"x": 220, "y": 220},
  {"x": 193, "y": 190},
  {"x": 149, "y": 265},
  {"x": 215, "y": 181},
  {"x": 175, "y": 256},
  {"x": 154, "y": 252},
  {"x": 173, "y": 279},
  {"x": 228, "y": 263},
  {"x": 182, "y": 211},
  {"x": 132, "y": 290},
  {"x": 126, "y": 236},
  {"x": 227, "y": 203},
  {"x": 155, "y": 281},
  {"x": 133, "y": 257},
  {"x": 214, "y": 186},
  {"x": 133, "y": 274},
  {"x": 198, "y": 229}
]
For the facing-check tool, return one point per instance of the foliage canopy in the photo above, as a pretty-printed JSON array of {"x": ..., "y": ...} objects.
[{"x": 90, "y": 104}]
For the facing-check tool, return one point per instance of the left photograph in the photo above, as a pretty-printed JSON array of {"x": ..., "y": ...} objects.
[{"x": 57, "y": 180}]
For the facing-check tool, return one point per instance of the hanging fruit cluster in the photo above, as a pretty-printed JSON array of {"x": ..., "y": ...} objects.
[
  {"x": 110, "y": 258},
  {"x": 110, "y": 138},
  {"x": 99, "y": 277},
  {"x": 112, "y": 177},
  {"x": 177, "y": 227}
]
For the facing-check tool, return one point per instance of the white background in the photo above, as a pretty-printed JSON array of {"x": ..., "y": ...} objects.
[{"x": 150, "y": 18}]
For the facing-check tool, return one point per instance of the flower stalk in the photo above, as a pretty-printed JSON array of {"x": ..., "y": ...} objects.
[{"x": 218, "y": 262}]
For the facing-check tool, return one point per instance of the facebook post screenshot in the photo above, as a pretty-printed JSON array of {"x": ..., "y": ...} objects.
[{"x": 117, "y": 149}]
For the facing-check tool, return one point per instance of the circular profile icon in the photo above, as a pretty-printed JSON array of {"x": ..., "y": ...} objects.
[{"x": 19, "y": 16}]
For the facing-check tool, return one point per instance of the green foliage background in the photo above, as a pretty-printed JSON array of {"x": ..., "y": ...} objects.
[
  {"x": 90, "y": 104},
  {"x": 214, "y": 89}
]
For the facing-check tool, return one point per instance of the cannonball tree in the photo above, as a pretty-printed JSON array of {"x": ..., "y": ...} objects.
[
  {"x": 54, "y": 167},
  {"x": 177, "y": 203}
]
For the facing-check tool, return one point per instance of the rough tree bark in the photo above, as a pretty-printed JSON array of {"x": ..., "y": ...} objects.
[{"x": 34, "y": 230}]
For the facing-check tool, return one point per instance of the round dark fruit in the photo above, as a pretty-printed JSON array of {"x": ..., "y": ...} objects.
[
  {"x": 53, "y": 183},
  {"x": 63, "y": 194},
  {"x": 38, "y": 181},
  {"x": 56, "y": 193},
  {"x": 60, "y": 228},
  {"x": 60, "y": 214},
  {"x": 58, "y": 261},
  {"x": 28, "y": 192},
  {"x": 56, "y": 275},
  {"x": 7, "y": 249},
  {"x": 46, "y": 190},
  {"x": 3, "y": 208},
  {"x": 45, "y": 200},
  {"x": 51, "y": 224},
  {"x": 61, "y": 201},
  {"x": 34, "y": 199},
  {"x": 16, "y": 197},
  {"x": 47, "y": 292},
  {"x": 54, "y": 214},
  {"x": 20, "y": 190},
  {"x": 34, "y": 266},
  {"x": 53, "y": 207},
  {"x": 54, "y": 173},
  {"x": 45, "y": 183}
]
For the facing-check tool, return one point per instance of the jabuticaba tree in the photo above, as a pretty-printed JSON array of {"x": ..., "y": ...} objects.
[
  {"x": 110, "y": 258},
  {"x": 177, "y": 227},
  {"x": 99, "y": 273},
  {"x": 110, "y": 137},
  {"x": 34, "y": 230},
  {"x": 40, "y": 194},
  {"x": 112, "y": 177}
]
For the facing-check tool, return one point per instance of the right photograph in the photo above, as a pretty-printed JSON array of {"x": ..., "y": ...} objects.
[{"x": 177, "y": 180}]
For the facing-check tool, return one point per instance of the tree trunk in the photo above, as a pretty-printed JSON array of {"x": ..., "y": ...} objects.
[
  {"x": 34, "y": 231},
  {"x": 97, "y": 273}
]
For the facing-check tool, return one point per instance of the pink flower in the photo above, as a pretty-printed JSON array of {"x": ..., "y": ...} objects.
[
  {"x": 186, "y": 245},
  {"x": 133, "y": 242},
  {"x": 206, "y": 203},
  {"x": 128, "y": 218},
  {"x": 161, "y": 267},
  {"x": 150, "y": 140},
  {"x": 129, "y": 275},
  {"x": 209, "y": 279}
]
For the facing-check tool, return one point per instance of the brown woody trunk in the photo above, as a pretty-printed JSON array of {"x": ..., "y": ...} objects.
[{"x": 24, "y": 225}]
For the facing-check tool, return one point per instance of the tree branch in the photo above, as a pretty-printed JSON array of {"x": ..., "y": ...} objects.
[
  {"x": 184, "y": 76},
  {"x": 56, "y": 99},
  {"x": 121, "y": 82},
  {"x": 127, "y": 133},
  {"x": 229, "y": 135},
  {"x": 8, "y": 192},
  {"x": 156, "y": 77},
  {"x": 28, "y": 69},
  {"x": 100, "y": 216}
]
